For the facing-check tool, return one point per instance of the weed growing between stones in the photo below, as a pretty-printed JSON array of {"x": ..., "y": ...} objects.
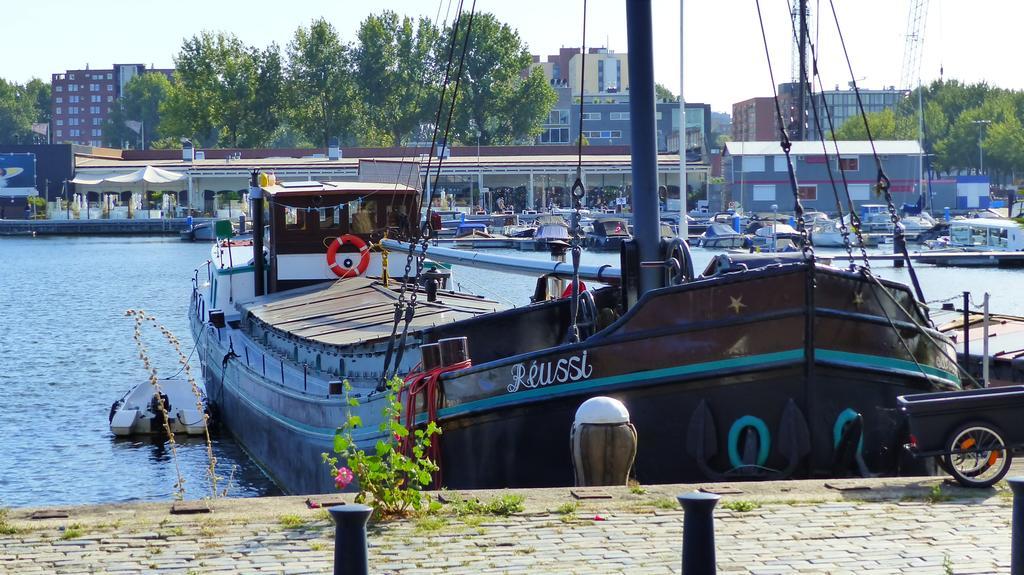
[
  {"x": 5, "y": 527},
  {"x": 567, "y": 508},
  {"x": 72, "y": 531},
  {"x": 936, "y": 495},
  {"x": 390, "y": 478},
  {"x": 741, "y": 505},
  {"x": 502, "y": 506},
  {"x": 291, "y": 521},
  {"x": 665, "y": 503}
]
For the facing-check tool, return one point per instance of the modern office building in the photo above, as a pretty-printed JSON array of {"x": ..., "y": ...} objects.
[
  {"x": 757, "y": 177},
  {"x": 81, "y": 101}
]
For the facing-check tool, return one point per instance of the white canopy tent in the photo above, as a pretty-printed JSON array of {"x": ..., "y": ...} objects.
[{"x": 149, "y": 175}]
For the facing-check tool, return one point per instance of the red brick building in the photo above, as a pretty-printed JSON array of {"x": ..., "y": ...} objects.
[
  {"x": 754, "y": 120},
  {"x": 82, "y": 99}
]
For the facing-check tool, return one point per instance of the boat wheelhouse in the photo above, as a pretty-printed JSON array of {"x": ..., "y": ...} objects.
[{"x": 986, "y": 234}]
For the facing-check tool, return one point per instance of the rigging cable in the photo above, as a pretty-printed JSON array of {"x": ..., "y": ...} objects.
[
  {"x": 786, "y": 145},
  {"x": 843, "y": 229},
  {"x": 579, "y": 192},
  {"x": 423, "y": 236},
  {"x": 883, "y": 181},
  {"x": 402, "y": 309}
]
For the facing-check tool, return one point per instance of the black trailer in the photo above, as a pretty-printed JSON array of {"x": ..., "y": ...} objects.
[{"x": 973, "y": 434}]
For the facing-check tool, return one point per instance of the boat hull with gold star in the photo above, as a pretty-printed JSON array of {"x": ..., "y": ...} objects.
[{"x": 787, "y": 370}]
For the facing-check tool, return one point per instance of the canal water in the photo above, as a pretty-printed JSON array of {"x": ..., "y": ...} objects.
[{"x": 67, "y": 352}]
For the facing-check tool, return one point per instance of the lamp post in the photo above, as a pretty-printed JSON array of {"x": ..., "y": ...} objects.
[
  {"x": 479, "y": 173},
  {"x": 981, "y": 151}
]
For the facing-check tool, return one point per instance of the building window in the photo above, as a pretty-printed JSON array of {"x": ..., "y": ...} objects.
[
  {"x": 72, "y": 121},
  {"x": 71, "y": 76},
  {"x": 96, "y": 98},
  {"x": 860, "y": 192},
  {"x": 96, "y": 132},
  {"x": 74, "y": 133},
  {"x": 94, "y": 87},
  {"x": 97, "y": 121},
  {"x": 72, "y": 87},
  {"x": 780, "y": 164},
  {"x": 110, "y": 76},
  {"x": 58, "y": 100},
  {"x": 555, "y": 136},
  {"x": 591, "y": 115},
  {"x": 602, "y": 134},
  {"x": 60, "y": 122},
  {"x": 618, "y": 115},
  {"x": 558, "y": 118},
  {"x": 73, "y": 99},
  {"x": 59, "y": 88},
  {"x": 72, "y": 110},
  {"x": 764, "y": 193},
  {"x": 849, "y": 164},
  {"x": 58, "y": 110},
  {"x": 60, "y": 133},
  {"x": 110, "y": 87},
  {"x": 110, "y": 98},
  {"x": 94, "y": 109},
  {"x": 809, "y": 192},
  {"x": 754, "y": 164}
]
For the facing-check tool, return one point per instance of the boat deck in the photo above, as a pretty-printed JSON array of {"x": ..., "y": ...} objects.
[{"x": 357, "y": 310}]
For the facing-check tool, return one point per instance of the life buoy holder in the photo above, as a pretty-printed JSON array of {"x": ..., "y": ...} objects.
[
  {"x": 763, "y": 436},
  {"x": 348, "y": 268},
  {"x": 844, "y": 418}
]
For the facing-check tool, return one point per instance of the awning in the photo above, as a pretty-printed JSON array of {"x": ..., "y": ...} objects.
[{"x": 149, "y": 174}]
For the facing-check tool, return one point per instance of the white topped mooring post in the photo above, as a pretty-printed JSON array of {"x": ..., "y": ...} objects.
[{"x": 603, "y": 443}]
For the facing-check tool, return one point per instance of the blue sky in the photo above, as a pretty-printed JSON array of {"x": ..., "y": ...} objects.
[{"x": 725, "y": 60}]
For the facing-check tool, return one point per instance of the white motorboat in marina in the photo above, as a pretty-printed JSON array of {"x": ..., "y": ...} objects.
[{"x": 138, "y": 411}]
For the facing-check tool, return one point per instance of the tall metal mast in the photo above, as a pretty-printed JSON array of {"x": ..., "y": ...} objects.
[{"x": 640, "y": 43}]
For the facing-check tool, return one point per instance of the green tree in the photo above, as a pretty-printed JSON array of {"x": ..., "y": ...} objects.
[
  {"x": 501, "y": 95},
  {"x": 141, "y": 102},
  {"x": 663, "y": 94},
  {"x": 224, "y": 93},
  {"x": 39, "y": 92},
  {"x": 319, "y": 85},
  {"x": 116, "y": 132},
  {"x": 17, "y": 112},
  {"x": 396, "y": 75},
  {"x": 885, "y": 125}
]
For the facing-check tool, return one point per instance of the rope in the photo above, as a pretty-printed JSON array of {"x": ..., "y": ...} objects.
[
  {"x": 786, "y": 145},
  {"x": 921, "y": 329},
  {"x": 579, "y": 192},
  {"x": 884, "y": 184},
  {"x": 426, "y": 383}
]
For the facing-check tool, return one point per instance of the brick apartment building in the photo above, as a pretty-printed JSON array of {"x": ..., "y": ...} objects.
[{"x": 82, "y": 99}]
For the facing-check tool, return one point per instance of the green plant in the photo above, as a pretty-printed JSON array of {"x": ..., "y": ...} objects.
[
  {"x": 741, "y": 505},
  {"x": 291, "y": 521},
  {"x": 947, "y": 565},
  {"x": 567, "y": 508},
  {"x": 318, "y": 546},
  {"x": 504, "y": 506},
  {"x": 72, "y": 531},
  {"x": 665, "y": 503},
  {"x": 392, "y": 477},
  {"x": 936, "y": 495},
  {"x": 5, "y": 527},
  {"x": 430, "y": 523},
  {"x": 636, "y": 489}
]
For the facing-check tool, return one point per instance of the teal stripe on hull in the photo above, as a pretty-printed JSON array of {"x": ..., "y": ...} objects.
[{"x": 768, "y": 359}]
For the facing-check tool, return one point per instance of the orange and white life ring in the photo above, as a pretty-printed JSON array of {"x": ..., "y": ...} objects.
[{"x": 348, "y": 267}]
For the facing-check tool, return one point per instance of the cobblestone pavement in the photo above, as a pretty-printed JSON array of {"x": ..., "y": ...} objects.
[{"x": 767, "y": 529}]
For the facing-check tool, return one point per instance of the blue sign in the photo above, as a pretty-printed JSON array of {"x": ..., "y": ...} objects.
[{"x": 17, "y": 174}]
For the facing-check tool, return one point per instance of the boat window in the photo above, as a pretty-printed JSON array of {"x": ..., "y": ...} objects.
[
  {"x": 296, "y": 219},
  {"x": 363, "y": 216},
  {"x": 330, "y": 218},
  {"x": 999, "y": 238},
  {"x": 960, "y": 235},
  {"x": 979, "y": 236},
  {"x": 808, "y": 192}
]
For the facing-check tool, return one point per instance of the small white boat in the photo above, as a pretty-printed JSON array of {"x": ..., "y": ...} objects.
[{"x": 138, "y": 412}]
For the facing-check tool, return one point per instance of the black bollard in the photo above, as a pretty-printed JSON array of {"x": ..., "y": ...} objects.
[
  {"x": 350, "y": 555},
  {"x": 899, "y": 245},
  {"x": 1017, "y": 526},
  {"x": 698, "y": 532}
]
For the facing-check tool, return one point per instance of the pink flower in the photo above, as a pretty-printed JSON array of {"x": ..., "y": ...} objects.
[{"x": 343, "y": 477}]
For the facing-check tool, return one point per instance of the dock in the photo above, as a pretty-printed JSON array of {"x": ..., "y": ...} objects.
[
  {"x": 897, "y": 526},
  {"x": 97, "y": 227}
]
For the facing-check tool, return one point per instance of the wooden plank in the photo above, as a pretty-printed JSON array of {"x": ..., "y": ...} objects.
[
  {"x": 590, "y": 493},
  {"x": 49, "y": 514},
  {"x": 190, "y": 507}
]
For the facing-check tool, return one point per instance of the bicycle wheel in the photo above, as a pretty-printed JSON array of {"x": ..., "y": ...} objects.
[{"x": 978, "y": 456}]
